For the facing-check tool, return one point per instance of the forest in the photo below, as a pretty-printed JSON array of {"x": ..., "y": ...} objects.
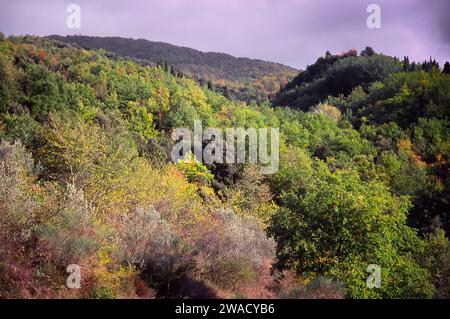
[
  {"x": 86, "y": 178},
  {"x": 244, "y": 79}
]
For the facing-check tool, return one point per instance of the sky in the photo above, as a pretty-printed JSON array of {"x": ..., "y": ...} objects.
[{"x": 292, "y": 32}]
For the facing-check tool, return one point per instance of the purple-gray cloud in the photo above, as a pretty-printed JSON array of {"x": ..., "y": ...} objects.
[{"x": 294, "y": 32}]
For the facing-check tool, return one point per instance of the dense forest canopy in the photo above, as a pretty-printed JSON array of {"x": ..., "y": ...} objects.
[
  {"x": 339, "y": 75},
  {"x": 239, "y": 78},
  {"x": 86, "y": 178}
]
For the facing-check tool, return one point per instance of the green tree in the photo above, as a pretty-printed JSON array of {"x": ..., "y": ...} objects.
[
  {"x": 446, "y": 69},
  {"x": 336, "y": 224},
  {"x": 436, "y": 258}
]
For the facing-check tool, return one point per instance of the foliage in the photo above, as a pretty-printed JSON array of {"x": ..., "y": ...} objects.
[
  {"x": 340, "y": 225},
  {"x": 335, "y": 75},
  {"x": 327, "y": 110},
  {"x": 436, "y": 258},
  {"x": 85, "y": 177},
  {"x": 241, "y": 78},
  {"x": 19, "y": 200},
  {"x": 194, "y": 170}
]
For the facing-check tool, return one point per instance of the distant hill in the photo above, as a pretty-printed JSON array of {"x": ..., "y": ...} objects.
[
  {"x": 335, "y": 75},
  {"x": 240, "y": 78}
]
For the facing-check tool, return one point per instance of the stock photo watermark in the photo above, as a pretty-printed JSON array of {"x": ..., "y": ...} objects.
[
  {"x": 374, "y": 279},
  {"x": 73, "y": 20},
  {"x": 74, "y": 279},
  {"x": 210, "y": 147},
  {"x": 374, "y": 19}
]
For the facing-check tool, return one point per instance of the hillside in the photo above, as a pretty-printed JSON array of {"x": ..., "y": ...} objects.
[
  {"x": 335, "y": 75},
  {"x": 338, "y": 75},
  {"x": 86, "y": 178},
  {"x": 241, "y": 78}
]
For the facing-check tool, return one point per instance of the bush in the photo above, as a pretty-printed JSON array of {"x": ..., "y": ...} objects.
[
  {"x": 230, "y": 242},
  {"x": 101, "y": 163},
  {"x": 436, "y": 258},
  {"x": 23, "y": 206},
  {"x": 147, "y": 239},
  {"x": 320, "y": 288},
  {"x": 251, "y": 195},
  {"x": 19, "y": 198},
  {"x": 71, "y": 234},
  {"x": 194, "y": 170},
  {"x": 328, "y": 110}
]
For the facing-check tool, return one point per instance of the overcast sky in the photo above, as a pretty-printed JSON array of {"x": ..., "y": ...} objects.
[{"x": 293, "y": 32}]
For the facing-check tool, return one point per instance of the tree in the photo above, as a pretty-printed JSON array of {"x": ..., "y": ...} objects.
[
  {"x": 446, "y": 69},
  {"x": 368, "y": 51},
  {"x": 436, "y": 258},
  {"x": 226, "y": 92},
  {"x": 427, "y": 66},
  {"x": 406, "y": 64},
  {"x": 335, "y": 224},
  {"x": 9, "y": 88}
]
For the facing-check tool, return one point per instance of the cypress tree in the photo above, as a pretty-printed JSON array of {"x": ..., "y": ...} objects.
[{"x": 446, "y": 68}]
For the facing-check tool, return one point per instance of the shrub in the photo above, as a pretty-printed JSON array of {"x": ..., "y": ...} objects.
[
  {"x": 101, "y": 163},
  {"x": 147, "y": 238},
  {"x": 194, "y": 170},
  {"x": 19, "y": 200},
  {"x": 230, "y": 273},
  {"x": 251, "y": 196},
  {"x": 320, "y": 288},
  {"x": 23, "y": 204},
  {"x": 231, "y": 242},
  {"x": 72, "y": 234},
  {"x": 151, "y": 244},
  {"x": 436, "y": 258},
  {"x": 328, "y": 110}
]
